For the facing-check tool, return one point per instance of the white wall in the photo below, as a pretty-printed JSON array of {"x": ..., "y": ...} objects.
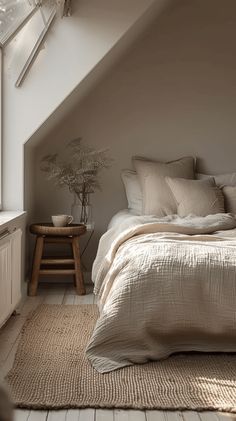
[
  {"x": 174, "y": 94},
  {"x": 72, "y": 49}
]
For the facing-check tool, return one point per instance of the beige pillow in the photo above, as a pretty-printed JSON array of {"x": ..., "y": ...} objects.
[
  {"x": 197, "y": 197},
  {"x": 133, "y": 191},
  {"x": 221, "y": 180},
  {"x": 230, "y": 198},
  {"x": 157, "y": 197}
]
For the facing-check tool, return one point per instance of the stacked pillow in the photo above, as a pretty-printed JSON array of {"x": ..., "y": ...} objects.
[
  {"x": 198, "y": 197},
  {"x": 133, "y": 191},
  {"x": 157, "y": 196},
  {"x": 146, "y": 189},
  {"x": 230, "y": 198},
  {"x": 161, "y": 189},
  {"x": 221, "y": 180},
  {"x": 227, "y": 183}
]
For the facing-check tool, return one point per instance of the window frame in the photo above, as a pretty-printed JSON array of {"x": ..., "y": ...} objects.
[
  {"x": 18, "y": 25},
  {"x": 10, "y": 35}
]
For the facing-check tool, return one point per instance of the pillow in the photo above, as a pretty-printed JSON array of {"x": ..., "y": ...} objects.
[
  {"x": 133, "y": 191},
  {"x": 230, "y": 198},
  {"x": 198, "y": 197},
  {"x": 157, "y": 197},
  {"x": 221, "y": 180}
]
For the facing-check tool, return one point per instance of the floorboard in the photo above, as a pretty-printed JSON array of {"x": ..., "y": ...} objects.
[
  {"x": 69, "y": 299},
  {"x": 37, "y": 416},
  {"x": 173, "y": 416},
  {"x": 225, "y": 416},
  {"x": 9, "y": 339},
  {"x": 87, "y": 415},
  {"x": 21, "y": 415},
  {"x": 190, "y": 416},
  {"x": 129, "y": 415},
  {"x": 104, "y": 415},
  {"x": 84, "y": 299},
  {"x": 56, "y": 298},
  {"x": 155, "y": 416},
  {"x": 208, "y": 416},
  {"x": 73, "y": 415},
  {"x": 57, "y": 415}
]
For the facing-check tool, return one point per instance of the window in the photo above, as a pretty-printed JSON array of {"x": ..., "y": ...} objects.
[
  {"x": 16, "y": 14},
  {"x": 13, "y": 15}
]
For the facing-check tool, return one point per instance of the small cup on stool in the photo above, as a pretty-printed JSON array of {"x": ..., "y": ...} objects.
[{"x": 62, "y": 220}]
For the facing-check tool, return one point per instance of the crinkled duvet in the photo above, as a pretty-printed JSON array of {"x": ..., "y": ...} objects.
[{"x": 164, "y": 285}]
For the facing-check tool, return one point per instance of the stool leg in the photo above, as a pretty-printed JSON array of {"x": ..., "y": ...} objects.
[
  {"x": 33, "y": 285},
  {"x": 78, "y": 273}
]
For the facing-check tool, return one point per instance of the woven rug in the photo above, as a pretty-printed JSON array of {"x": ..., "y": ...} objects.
[{"x": 51, "y": 371}]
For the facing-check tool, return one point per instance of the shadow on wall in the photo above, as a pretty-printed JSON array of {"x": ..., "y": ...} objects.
[{"x": 173, "y": 94}]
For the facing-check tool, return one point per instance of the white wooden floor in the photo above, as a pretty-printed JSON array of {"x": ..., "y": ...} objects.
[{"x": 9, "y": 338}]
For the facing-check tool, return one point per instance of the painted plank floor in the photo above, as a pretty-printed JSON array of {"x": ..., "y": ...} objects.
[{"x": 9, "y": 339}]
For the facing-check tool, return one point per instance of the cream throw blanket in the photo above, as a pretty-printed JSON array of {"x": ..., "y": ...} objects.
[{"x": 165, "y": 285}]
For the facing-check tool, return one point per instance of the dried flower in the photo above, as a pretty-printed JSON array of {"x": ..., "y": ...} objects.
[{"x": 80, "y": 171}]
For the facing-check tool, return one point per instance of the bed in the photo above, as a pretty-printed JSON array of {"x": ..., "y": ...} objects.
[
  {"x": 162, "y": 292},
  {"x": 165, "y": 284}
]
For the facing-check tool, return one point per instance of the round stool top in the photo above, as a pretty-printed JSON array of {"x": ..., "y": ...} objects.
[{"x": 49, "y": 229}]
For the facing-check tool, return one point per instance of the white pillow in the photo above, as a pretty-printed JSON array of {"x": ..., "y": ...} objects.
[
  {"x": 221, "y": 180},
  {"x": 197, "y": 197},
  {"x": 133, "y": 190},
  {"x": 230, "y": 198},
  {"x": 157, "y": 197}
]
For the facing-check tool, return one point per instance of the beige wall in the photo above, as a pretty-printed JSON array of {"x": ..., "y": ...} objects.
[
  {"x": 73, "y": 49},
  {"x": 174, "y": 94}
]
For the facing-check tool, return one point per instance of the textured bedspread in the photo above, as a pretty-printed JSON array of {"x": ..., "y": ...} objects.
[{"x": 164, "y": 286}]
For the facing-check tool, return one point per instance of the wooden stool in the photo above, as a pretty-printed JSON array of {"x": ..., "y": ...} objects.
[{"x": 47, "y": 233}]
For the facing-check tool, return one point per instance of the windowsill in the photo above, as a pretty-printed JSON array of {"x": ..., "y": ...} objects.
[{"x": 6, "y": 217}]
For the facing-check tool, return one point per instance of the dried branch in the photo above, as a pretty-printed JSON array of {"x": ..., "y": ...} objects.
[{"x": 80, "y": 172}]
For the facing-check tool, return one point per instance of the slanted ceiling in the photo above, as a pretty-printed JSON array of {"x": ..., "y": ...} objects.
[
  {"x": 77, "y": 53},
  {"x": 99, "y": 71}
]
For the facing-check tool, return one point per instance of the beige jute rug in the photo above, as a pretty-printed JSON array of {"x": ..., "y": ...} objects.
[{"x": 51, "y": 371}]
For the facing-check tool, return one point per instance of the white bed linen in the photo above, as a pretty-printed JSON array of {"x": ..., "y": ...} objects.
[
  {"x": 125, "y": 217},
  {"x": 162, "y": 290},
  {"x": 121, "y": 216}
]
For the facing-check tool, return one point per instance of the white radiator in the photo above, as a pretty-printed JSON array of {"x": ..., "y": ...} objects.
[{"x": 10, "y": 273}]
